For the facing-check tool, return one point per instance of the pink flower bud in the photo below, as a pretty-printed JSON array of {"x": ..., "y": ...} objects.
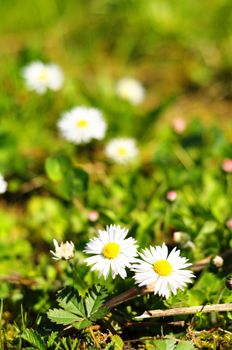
[
  {"x": 227, "y": 165},
  {"x": 229, "y": 224},
  {"x": 179, "y": 125},
  {"x": 93, "y": 215},
  {"x": 171, "y": 196}
]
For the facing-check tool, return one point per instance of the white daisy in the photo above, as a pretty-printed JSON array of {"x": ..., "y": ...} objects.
[
  {"x": 112, "y": 252},
  {"x": 121, "y": 150},
  {"x": 40, "y": 77},
  {"x": 167, "y": 272},
  {"x": 131, "y": 90},
  {"x": 63, "y": 251},
  {"x": 3, "y": 184},
  {"x": 82, "y": 124}
]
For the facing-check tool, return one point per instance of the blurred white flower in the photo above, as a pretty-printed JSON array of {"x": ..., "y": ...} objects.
[
  {"x": 166, "y": 272},
  {"x": 112, "y": 252},
  {"x": 63, "y": 251},
  {"x": 3, "y": 184},
  {"x": 121, "y": 150},
  {"x": 40, "y": 77},
  {"x": 131, "y": 90},
  {"x": 82, "y": 124}
]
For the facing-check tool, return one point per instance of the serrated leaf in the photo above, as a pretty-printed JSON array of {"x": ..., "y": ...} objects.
[
  {"x": 185, "y": 345},
  {"x": 82, "y": 324},
  {"x": 77, "y": 311},
  {"x": 94, "y": 300},
  {"x": 71, "y": 301},
  {"x": 161, "y": 344},
  {"x": 34, "y": 338},
  {"x": 52, "y": 338},
  {"x": 64, "y": 317}
]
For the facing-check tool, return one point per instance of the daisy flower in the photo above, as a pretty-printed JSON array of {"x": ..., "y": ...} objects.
[
  {"x": 63, "y": 251},
  {"x": 167, "y": 272},
  {"x": 131, "y": 90},
  {"x": 3, "y": 184},
  {"x": 111, "y": 252},
  {"x": 40, "y": 77},
  {"x": 121, "y": 150},
  {"x": 82, "y": 124}
]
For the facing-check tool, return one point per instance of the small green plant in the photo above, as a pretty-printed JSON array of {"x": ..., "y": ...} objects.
[{"x": 79, "y": 312}]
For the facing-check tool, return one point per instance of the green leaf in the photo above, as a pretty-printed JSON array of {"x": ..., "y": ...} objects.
[
  {"x": 80, "y": 181},
  {"x": 185, "y": 345},
  {"x": 34, "y": 338},
  {"x": 94, "y": 300},
  {"x": 82, "y": 324},
  {"x": 64, "y": 317},
  {"x": 208, "y": 227},
  {"x": 71, "y": 301},
  {"x": 56, "y": 166},
  {"x": 115, "y": 344},
  {"x": 161, "y": 344},
  {"x": 67, "y": 180},
  {"x": 52, "y": 338}
]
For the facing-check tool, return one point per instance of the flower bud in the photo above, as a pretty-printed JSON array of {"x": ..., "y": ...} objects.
[
  {"x": 171, "y": 196},
  {"x": 229, "y": 224},
  {"x": 227, "y": 165},
  {"x": 93, "y": 215},
  {"x": 63, "y": 251},
  {"x": 180, "y": 237},
  {"x": 229, "y": 282},
  {"x": 179, "y": 125},
  {"x": 217, "y": 261}
]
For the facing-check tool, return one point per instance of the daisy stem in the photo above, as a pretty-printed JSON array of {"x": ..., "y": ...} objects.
[
  {"x": 167, "y": 219},
  {"x": 229, "y": 184},
  {"x": 75, "y": 275},
  {"x": 218, "y": 298}
]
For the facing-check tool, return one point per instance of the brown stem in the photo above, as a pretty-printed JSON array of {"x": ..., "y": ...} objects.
[
  {"x": 186, "y": 310},
  {"x": 129, "y": 294},
  {"x": 201, "y": 264}
]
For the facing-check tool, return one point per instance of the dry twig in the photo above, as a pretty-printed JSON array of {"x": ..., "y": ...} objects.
[{"x": 186, "y": 310}]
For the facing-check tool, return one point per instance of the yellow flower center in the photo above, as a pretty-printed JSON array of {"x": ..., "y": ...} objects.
[
  {"x": 122, "y": 151},
  {"x": 43, "y": 75},
  {"x": 162, "y": 267},
  {"x": 111, "y": 250},
  {"x": 82, "y": 123}
]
